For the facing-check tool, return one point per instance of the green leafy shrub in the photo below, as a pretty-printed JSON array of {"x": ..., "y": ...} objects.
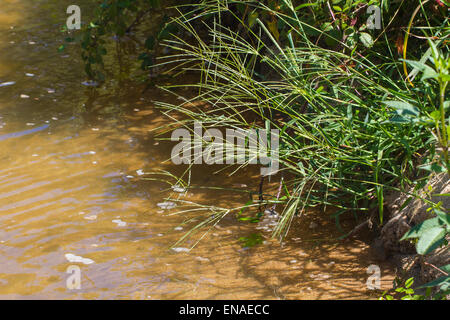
[
  {"x": 351, "y": 127},
  {"x": 431, "y": 234}
]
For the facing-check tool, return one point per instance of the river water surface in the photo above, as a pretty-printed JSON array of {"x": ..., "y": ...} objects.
[{"x": 71, "y": 163}]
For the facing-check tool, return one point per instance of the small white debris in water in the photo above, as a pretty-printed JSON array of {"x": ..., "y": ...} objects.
[
  {"x": 9, "y": 83},
  {"x": 178, "y": 189},
  {"x": 130, "y": 177},
  {"x": 35, "y": 155},
  {"x": 159, "y": 234},
  {"x": 331, "y": 263},
  {"x": 29, "y": 74},
  {"x": 31, "y": 42},
  {"x": 91, "y": 152},
  {"x": 178, "y": 228},
  {"x": 313, "y": 225},
  {"x": 73, "y": 258},
  {"x": 54, "y": 118},
  {"x": 50, "y": 90},
  {"x": 94, "y": 162},
  {"x": 94, "y": 245},
  {"x": 293, "y": 261},
  {"x": 94, "y": 129},
  {"x": 166, "y": 205},
  {"x": 120, "y": 223},
  {"x": 24, "y": 96},
  {"x": 30, "y": 124},
  {"x": 179, "y": 249},
  {"x": 81, "y": 212},
  {"x": 136, "y": 110},
  {"x": 319, "y": 276},
  {"x": 140, "y": 172},
  {"x": 93, "y": 217},
  {"x": 201, "y": 259}
]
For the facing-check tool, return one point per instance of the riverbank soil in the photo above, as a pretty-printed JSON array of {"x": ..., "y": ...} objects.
[{"x": 401, "y": 218}]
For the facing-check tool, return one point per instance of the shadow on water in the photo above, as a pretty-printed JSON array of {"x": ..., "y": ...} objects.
[{"x": 70, "y": 164}]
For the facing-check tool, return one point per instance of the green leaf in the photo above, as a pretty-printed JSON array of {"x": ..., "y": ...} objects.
[
  {"x": 252, "y": 18},
  {"x": 434, "y": 167},
  {"x": 409, "y": 282},
  {"x": 421, "y": 228},
  {"x": 443, "y": 283},
  {"x": 428, "y": 72},
  {"x": 444, "y": 217},
  {"x": 403, "y": 109},
  {"x": 430, "y": 240},
  {"x": 304, "y": 5},
  {"x": 446, "y": 268},
  {"x": 435, "y": 115},
  {"x": 366, "y": 39}
]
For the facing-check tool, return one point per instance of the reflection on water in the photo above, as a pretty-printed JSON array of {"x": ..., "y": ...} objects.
[{"x": 71, "y": 158}]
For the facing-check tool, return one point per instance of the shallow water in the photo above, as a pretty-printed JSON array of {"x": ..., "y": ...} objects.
[{"x": 71, "y": 163}]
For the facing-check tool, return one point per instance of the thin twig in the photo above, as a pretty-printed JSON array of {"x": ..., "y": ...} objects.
[
  {"x": 278, "y": 195},
  {"x": 332, "y": 14},
  {"x": 433, "y": 266}
]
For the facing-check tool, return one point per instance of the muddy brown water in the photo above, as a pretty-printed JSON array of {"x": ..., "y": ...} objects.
[{"x": 69, "y": 156}]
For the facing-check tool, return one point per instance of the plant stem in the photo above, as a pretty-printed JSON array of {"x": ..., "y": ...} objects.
[{"x": 444, "y": 135}]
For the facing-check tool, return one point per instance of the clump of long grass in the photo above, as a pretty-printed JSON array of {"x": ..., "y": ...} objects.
[{"x": 344, "y": 136}]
